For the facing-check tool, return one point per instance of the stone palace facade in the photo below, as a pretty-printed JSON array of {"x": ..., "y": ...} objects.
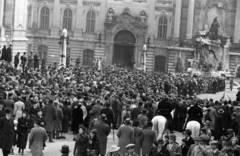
[{"x": 117, "y": 29}]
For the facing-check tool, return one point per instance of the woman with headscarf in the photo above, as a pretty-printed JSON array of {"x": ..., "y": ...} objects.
[
  {"x": 81, "y": 143},
  {"x": 22, "y": 127},
  {"x": 94, "y": 144}
]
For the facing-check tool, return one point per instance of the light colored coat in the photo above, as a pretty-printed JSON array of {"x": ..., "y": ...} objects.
[
  {"x": 201, "y": 152},
  {"x": 18, "y": 108},
  {"x": 37, "y": 138},
  {"x": 125, "y": 135}
]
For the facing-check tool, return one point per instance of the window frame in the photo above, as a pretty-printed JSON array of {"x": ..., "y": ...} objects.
[
  {"x": 91, "y": 21},
  {"x": 162, "y": 27},
  {"x": 67, "y": 19},
  {"x": 45, "y": 18}
]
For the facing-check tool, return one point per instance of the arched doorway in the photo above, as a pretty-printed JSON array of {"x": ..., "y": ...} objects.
[
  {"x": 124, "y": 46},
  {"x": 160, "y": 64}
]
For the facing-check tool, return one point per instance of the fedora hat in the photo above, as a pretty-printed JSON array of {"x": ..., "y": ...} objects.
[
  {"x": 160, "y": 141},
  {"x": 220, "y": 111},
  {"x": 65, "y": 149},
  {"x": 103, "y": 117},
  {"x": 130, "y": 146},
  {"x": 114, "y": 148},
  {"x": 214, "y": 142}
]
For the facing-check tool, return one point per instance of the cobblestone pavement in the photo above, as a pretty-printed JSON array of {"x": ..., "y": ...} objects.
[{"x": 53, "y": 149}]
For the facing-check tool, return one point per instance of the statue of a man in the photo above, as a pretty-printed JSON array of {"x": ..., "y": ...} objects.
[{"x": 214, "y": 29}]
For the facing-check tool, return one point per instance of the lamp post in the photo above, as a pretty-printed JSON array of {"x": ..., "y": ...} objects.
[
  {"x": 144, "y": 54},
  {"x": 63, "y": 43}
]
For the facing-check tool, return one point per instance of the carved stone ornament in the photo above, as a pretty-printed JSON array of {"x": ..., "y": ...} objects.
[
  {"x": 217, "y": 3},
  {"x": 111, "y": 18},
  {"x": 163, "y": 2},
  {"x": 126, "y": 20},
  {"x": 140, "y": 1}
]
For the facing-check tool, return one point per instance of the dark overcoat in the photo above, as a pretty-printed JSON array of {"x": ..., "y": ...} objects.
[
  {"x": 22, "y": 127},
  {"x": 126, "y": 136},
  {"x": 109, "y": 114},
  {"x": 58, "y": 121},
  {"x": 103, "y": 131},
  {"x": 50, "y": 114},
  {"x": 77, "y": 118},
  {"x": 147, "y": 138},
  {"x": 67, "y": 114},
  {"x": 6, "y": 133}
]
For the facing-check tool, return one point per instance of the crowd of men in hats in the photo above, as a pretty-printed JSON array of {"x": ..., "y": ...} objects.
[{"x": 45, "y": 103}]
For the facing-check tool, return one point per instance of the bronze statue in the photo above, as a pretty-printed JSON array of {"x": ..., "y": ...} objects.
[{"x": 213, "y": 33}]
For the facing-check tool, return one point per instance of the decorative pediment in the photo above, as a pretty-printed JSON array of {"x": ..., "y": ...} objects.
[
  {"x": 164, "y": 3},
  {"x": 222, "y": 4},
  {"x": 87, "y": 5},
  {"x": 127, "y": 20},
  {"x": 140, "y": 1}
]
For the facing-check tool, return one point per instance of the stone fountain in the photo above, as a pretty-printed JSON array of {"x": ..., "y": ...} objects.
[{"x": 211, "y": 49}]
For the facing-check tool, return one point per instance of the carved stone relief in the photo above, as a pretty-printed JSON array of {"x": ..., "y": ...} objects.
[{"x": 140, "y": 1}]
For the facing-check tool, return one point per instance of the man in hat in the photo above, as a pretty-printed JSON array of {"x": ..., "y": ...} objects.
[
  {"x": 159, "y": 150},
  {"x": 230, "y": 134},
  {"x": 196, "y": 143},
  {"x": 147, "y": 138},
  {"x": 214, "y": 147},
  {"x": 173, "y": 148},
  {"x": 103, "y": 131},
  {"x": 109, "y": 114},
  {"x": 202, "y": 148},
  {"x": 6, "y": 132},
  {"x": 113, "y": 151},
  {"x": 125, "y": 135},
  {"x": 234, "y": 124},
  {"x": 49, "y": 114},
  {"x": 130, "y": 150},
  {"x": 65, "y": 150},
  {"x": 142, "y": 119},
  {"x": 188, "y": 137}
]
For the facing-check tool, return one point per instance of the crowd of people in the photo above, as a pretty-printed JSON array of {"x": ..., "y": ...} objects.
[{"x": 40, "y": 105}]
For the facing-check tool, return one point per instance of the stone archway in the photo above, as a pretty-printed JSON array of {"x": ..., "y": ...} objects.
[{"x": 124, "y": 47}]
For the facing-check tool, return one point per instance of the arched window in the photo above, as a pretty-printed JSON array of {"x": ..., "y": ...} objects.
[
  {"x": 162, "y": 27},
  {"x": 67, "y": 19},
  {"x": 44, "y": 23},
  {"x": 90, "y": 26},
  {"x": 29, "y": 20}
]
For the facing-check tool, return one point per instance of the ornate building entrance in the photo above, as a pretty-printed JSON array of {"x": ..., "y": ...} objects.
[{"x": 124, "y": 47}]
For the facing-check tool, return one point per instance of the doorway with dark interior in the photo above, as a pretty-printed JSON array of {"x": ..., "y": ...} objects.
[{"x": 124, "y": 47}]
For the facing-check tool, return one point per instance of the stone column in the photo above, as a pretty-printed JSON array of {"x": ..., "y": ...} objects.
[
  {"x": 103, "y": 14},
  {"x": 177, "y": 18},
  {"x": 190, "y": 19},
  {"x": 2, "y": 30},
  {"x": 79, "y": 20},
  {"x": 19, "y": 39},
  {"x": 56, "y": 19},
  {"x": 237, "y": 24}
]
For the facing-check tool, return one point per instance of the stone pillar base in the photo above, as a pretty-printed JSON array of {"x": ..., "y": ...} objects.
[
  {"x": 78, "y": 33},
  {"x": 55, "y": 32},
  {"x": 2, "y": 32}
]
